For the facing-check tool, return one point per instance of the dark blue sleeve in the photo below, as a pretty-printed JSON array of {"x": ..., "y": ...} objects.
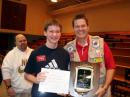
[
  {"x": 30, "y": 66},
  {"x": 67, "y": 60}
]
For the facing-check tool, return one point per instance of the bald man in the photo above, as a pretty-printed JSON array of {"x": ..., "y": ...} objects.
[{"x": 13, "y": 69}]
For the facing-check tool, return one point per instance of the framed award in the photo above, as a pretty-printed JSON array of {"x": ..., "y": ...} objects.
[{"x": 84, "y": 78}]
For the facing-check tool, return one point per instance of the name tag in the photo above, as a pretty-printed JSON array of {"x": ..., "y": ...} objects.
[{"x": 97, "y": 60}]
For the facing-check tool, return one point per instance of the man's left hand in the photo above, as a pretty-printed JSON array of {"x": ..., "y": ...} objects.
[{"x": 100, "y": 92}]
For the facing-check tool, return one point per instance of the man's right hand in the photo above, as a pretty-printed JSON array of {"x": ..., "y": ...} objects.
[
  {"x": 41, "y": 77},
  {"x": 11, "y": 92}
]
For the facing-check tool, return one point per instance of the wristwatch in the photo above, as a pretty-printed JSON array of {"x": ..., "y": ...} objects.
[{"x": 9, "y": 86}]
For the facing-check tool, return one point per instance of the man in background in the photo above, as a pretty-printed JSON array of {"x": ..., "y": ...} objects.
[{"x": 13, "y": 69}]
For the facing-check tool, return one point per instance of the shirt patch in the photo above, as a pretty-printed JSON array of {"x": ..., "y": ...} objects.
[{"x": 41, "y": 58}]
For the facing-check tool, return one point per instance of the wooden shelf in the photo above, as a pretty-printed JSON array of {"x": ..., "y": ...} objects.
[
  {"x": 126, "y": 89},
  {"x": 120, "y": 51},
  {"x": 122, "y": 60},
  {"x": 122, "y": 79},
  {"x": 123, "y": 66},
  {"x": 119, "y": 44}
]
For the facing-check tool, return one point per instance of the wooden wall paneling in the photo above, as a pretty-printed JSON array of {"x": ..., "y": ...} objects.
[{"x": 13, "y": 15}]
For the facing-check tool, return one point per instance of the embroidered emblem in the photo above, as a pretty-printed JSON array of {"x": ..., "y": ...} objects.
[
  {"x": 41, "y": 58},
  {"x": 21, "y": 67},
  {"x": 70, "y": 49},
  {"x": 95, "y": 43}
]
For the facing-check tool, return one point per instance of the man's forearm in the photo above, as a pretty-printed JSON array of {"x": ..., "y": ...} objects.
[
  {"x": 30, "y": 78},
  {"x": 109, "y": 78}
]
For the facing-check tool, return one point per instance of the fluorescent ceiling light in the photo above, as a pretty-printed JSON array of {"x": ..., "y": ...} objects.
[{"x": 54, "y": 0}]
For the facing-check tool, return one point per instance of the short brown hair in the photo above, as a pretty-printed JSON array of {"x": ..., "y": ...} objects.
[
  {"x": 52, "y": 22},
  {"x": 79, "y": 16}
]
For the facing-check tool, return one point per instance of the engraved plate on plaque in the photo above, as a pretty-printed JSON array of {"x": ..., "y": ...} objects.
[{"x": 83, "y": 79}]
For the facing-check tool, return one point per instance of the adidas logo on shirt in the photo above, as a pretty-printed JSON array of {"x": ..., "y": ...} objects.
[{"x": 52, "y": 65}]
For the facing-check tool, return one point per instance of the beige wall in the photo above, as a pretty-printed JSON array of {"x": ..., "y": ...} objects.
[
  {"x": 112, "y": 17},
  {"x": 35, "y": 17}
]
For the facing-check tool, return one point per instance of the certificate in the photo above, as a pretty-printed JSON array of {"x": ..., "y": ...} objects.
[{"x": 57, "y": 81}]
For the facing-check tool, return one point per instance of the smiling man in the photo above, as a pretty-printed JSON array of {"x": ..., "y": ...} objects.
[
  {"x": 89, "y": 49},
  {"x": 48, "y": 56}
]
